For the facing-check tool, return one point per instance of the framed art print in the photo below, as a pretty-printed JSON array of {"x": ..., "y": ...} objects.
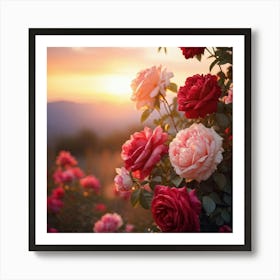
[{"x": 140, "y": 139}]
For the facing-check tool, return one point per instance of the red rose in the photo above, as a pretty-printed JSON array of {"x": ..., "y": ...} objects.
[
  {"x": 225, "y": 228},
  {"x": 191, "y": 52},
  {"x": 199, "y": 96},
  {"x": 144, "y": 150},
  {"x": 176, "y": 210}
]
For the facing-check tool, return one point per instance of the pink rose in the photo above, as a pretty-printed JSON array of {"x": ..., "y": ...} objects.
[
  {"x": 123, "y": 180},
  {"x": 144, "y": 150},
  {"x": 108, "y": 223},
  {"x": 90, "y": 182},
  {"x": 65, "y": 159},
  {"x": 54, "y": 204},
  {"x": 68, "y": 175},
  {"x": 148, "y": 84},
  {"x": 58, "y": 192},
  {"x": 77, "y": 172},
  {"x": 129, "y": 228},
  {"x": 228, "y": 99},
  {"x": 195, "y": 152},
  {"x": 176, "y": 210}
]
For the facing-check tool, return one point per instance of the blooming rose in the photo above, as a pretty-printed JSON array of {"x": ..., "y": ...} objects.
[
  {"x": 225, "y": 228},
  {"x": 68, "y": 175},
  {"x": 144, "y": 150},
  {"x": 108, "y": 223},
  {"x": 58, "y": 192},
  {"x": 129, "y": 228},
  {"x": 90, "y": 182},
  {"x": 65, "y": 159},
  {"x": 199, "y": 96},
  {"x": 123, "y": 180},
  {"x": 195, "y": 152},
  {"x": 228, "y": 99},
  {"x": 54, "y": 204},
  {"x": 148, "y": 84},
  {"x": 191, "y": 52},
  {"x": 77, "y": 172},
  {"x": 176, "y": 209}
]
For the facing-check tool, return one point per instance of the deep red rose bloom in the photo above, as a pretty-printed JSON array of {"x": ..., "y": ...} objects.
[
  {"x": 176, "y": 210},
  {"x": 199, "y": 96},
  {"x": 191, "y": 52}
]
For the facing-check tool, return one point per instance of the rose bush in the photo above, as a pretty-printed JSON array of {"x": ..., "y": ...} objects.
[{"x": 182, "y": 170}]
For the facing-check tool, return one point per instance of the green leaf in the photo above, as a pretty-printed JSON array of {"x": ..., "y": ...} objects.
[
  {"x": 177, "y": 181},
  {"x": 213, "y": 64},
  {"x": 145, "y": 115},
  {"x": 226, "y": 216},
  {"x": 173, "y": 87},
  {"x": 227, "y": 199},
  {"x": 209, "y": 204},
  {"x": 146, "y": 199},
  {"x": 221, "y": 107},
  {"x": 219, "y": 221},
  {"x": 222, "y": 120},
  {"x": 220, "y": 179},
  {"x": 228, "y": 189},
  {"x": 157, "y": 103},
  {"x": 135, "y": 196},
  {"x": 215, "y": 197},
  {"x": 206, "y": 187},
  {"x": 198, "y": 57}
]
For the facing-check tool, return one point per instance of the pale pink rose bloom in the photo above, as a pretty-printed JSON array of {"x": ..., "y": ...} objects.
[
  {"x": 148, "y": 84},
  {"x": 108, "y": 223},
  {"x": 90, "y": 182},
  {"x": 228, "y": 99},
  {"x": 195, "y": 152},
  {"x": 123, "y": 180}
]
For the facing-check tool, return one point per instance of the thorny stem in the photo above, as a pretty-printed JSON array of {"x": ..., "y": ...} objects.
[{"x": 167, "y": 108}]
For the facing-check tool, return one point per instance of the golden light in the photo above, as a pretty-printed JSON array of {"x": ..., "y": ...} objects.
[{"x": 116, "y": 87}]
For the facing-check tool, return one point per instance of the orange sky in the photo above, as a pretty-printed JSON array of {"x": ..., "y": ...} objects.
[{"x": 104, "y": 74}]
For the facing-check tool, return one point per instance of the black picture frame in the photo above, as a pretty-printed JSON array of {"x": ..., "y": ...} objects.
[{"x": 34, "y": 32}]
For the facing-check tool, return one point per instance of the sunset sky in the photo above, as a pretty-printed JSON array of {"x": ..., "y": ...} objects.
[{"x": 105, "y": 74}]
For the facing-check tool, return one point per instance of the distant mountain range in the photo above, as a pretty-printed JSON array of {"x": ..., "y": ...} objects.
[{"x": 68, "y": 118}]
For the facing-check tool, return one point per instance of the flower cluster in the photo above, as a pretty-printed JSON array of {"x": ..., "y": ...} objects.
[
  {"x": 73, "y": 186},
  {"x": 181, "y": 168}
]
